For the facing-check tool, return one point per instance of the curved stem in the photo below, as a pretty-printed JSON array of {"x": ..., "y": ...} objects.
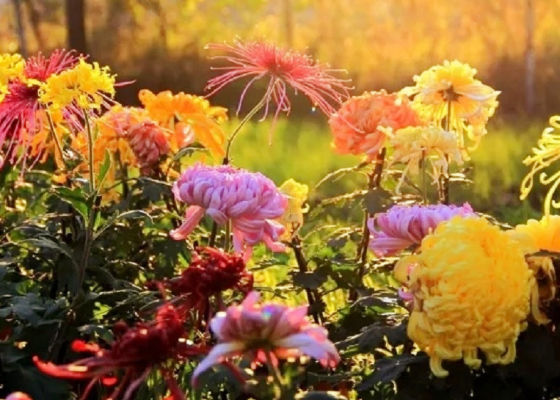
[
  {"x": 247, "y": 118},
  {"x": 55, "y": 137},
  {"x": 273, "y": 370}
]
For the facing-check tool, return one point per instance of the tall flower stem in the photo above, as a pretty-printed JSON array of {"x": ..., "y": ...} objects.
[
  {"x": 374, "y": 182},
  {"x": 312, "y": 295},
  {"x": 55, "y": 137},
  {"x": 227, "y": 235},
  {"x": 423, "y": 177},
  {"x": 213, "y": 233},
  {"x": 443, "y": 179},
  {"x": 91, "y": 217},
  {"x": 247, "y": 118}
]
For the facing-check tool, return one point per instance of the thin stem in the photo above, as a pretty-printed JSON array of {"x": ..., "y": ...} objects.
[
  {"x": 90, "y": 152},
  {"x": 312, "y": 295},
  {"x": 374, "y": 182},
  {"x": 55, "y": 137},
  {"x": 247, "y": 118},
  {"x": 212, "y": 241},
  {"x": 273, "y": 370},
  {"x": 423, "y": 177},
  {"x": 227, "y": 235},
  {"x": 443, "y": 180}
]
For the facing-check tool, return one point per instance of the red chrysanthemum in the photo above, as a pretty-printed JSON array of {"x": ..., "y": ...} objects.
[
  {"x": 136, "y": 352},
  {"x": 21, "y": 114},
  {"x": 211, "y": 272},
  {"x": 282, "y": 67}
]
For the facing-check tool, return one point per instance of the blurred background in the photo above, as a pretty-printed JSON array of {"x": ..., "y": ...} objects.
[{"x": 514, "y": 44}]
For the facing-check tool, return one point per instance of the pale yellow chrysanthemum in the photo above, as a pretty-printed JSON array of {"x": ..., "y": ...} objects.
[
  {"x": 449, "y": 94},
  {"x": 11, "y": 66},
  {"x": 293, "y": 216},
  {"x": 535, "y": 236},
  {"x": 87, "y": 86},
  {"x": 184, "y": 114},
  {"x": 472, "y": 290},
  {"x": 429, "y": 143},
  {"x": 544, "y": 155}
]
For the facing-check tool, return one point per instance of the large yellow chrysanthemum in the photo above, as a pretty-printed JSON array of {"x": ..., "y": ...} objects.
[
  {"x": 182, "y": 112},
  {"x": 293, "y": 216},
  {"x": 535, "y": 236},
  {"x": 450, "y": 96},
  {"x": 544, "y": 155},
  {"x": 471, "y": 288}
]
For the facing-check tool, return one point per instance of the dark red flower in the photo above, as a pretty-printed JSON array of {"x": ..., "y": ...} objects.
[
  {"x": 282, "y": 67},
  {"x": 21, "y": 114},
  {"x": 135, "y": 352},
  {"x": 210, "y": 272}
]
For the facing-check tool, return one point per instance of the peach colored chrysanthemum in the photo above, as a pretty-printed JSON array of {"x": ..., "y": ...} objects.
[{"x": 362, "y": 124}]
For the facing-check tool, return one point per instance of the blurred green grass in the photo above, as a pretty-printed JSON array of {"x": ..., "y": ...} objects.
[{"x": 301, "y": 150}]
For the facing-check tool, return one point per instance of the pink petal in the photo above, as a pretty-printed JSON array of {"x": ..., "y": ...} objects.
[
  {"x": 218, "y": 353},
  {"x": 193, "y": 215}
]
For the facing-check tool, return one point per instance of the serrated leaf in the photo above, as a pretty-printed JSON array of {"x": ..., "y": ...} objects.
[
  {"x": 377, "y": 200},
  {"x": 74, "y": 197},
  {"x": 388, "y": 369}
]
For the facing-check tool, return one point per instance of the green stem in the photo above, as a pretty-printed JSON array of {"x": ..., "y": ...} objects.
[
  {"x": 227, "y": 235},
  {"x": 374, "y": 182},
  {"x": 90, "y": 152},
  {"x": 312, "y": 295},
  {"x": 55, "y": 137},
  {"x": 423, "y": 177},
  {"x": 443, "y": 180},
  {"x": 273, "y": 370},
  {"x": 247, "y": 118},
  {"x": 212, "y": 241}
]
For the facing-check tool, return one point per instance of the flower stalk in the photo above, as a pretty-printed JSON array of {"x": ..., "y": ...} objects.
[{"x": 312, "y": 295}]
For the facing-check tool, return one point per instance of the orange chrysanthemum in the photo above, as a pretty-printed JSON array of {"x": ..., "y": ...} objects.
[
  {"x": 185, "y": 115},
  {"x": 363, "y": 123}
]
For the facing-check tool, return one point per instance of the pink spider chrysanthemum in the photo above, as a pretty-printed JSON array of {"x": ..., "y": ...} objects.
[
  {"x": 249, "y": 200},
  {"x": 265, "y": 333},
  {"x": 21, "y": 114},
  {"x": 282, "y": 67},
  {"x": 403, "y": 226}
]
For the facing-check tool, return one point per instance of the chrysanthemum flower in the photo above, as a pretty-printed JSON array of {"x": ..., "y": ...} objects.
[
  {"x": 18, "y": 396},
  {"x": 86, "y": 86},
  {"x": 211, "y": 272},
  {"x": 249, "y": 200},
  {"x": 282, "y": 68},
  {"x": 472, "y": 291},
  {"x": 362, "y": 124},
  {"x": 24, "y": 128},
  {"x": 136, "y": 352},
  {"x": 184, "y": 115},
  {"x": 544, "y": 155},
  {"x": 403, "y": 226},
  {"x": 267, "y": 332},
  {"x": 532, "y": 237},
  {"x": 293, "y": 216},
  {"x": 430, "y": 143},
  {"x": 450, "y": 91},
  {"x": 11, "y": 67}
]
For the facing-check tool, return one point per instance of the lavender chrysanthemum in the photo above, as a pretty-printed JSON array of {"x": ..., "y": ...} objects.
[{"x": 403, "y": 226}]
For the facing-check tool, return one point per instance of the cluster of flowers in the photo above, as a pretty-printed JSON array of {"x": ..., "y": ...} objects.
[
  {"x": 259, "y": 333},
  {"x": 472, "y": 285}
]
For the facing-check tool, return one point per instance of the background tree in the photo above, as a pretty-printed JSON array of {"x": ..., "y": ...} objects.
[{"x": 76, "y": 25}]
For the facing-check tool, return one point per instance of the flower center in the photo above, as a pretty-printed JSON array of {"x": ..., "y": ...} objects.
[{"x": 450, "y": 95}]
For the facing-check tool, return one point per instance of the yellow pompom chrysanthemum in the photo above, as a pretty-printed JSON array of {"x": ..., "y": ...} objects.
[
  {"x": 293, "y": 216},
  {"x": 471, "y": 288},
  {"x": 450, "y": 93},
  {"x": 86, "y": 85}
]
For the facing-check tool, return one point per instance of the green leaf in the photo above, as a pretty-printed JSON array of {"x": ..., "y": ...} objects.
[
  {"x": 377, "y": 200},
  {"x": 104, "y": 169},
  {"x": 76, "y": 198},
  {"x": 309, "y": 280},
  {"x": 44, "y": 242},
  {"x": 389, "y": 369},
  {"x": 132, "y": 214}
]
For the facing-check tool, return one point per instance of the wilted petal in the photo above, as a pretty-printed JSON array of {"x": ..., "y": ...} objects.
[{"x": 218, "y": 353}]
